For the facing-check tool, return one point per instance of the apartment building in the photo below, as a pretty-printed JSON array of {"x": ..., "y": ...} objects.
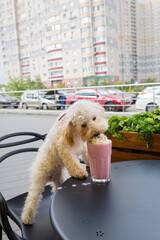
[
  {"x": 70, "y": 42},
  {"x": 148, "y": 41},
  {"x": 128, "y": 40}
]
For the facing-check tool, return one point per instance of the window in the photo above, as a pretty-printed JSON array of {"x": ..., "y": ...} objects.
[
  {"x": 55, "y": 73},
  {"x": 72, "y": 4},
  {"x": 74, "y": 53},
  {"x": 86, "y": 93},
  {"x": 53, "y": 46},
  {"x": 84, "y": 9},
  {"x": 53, "y": 18},
  {"x": 111, "y": 50},
  {"x": 99, "y": 28},
  {"x": 31, "y": 96},
  {"x": 85, "y": 20},
  {"x": 75, "y": 81},
  {"x": 65, "y": 45},
  {"x": 98, "y": 8},
  {"x": 85, "y": 30},
  {"x": 67, "y": 63},
  {"x": 87, "y": 49},
  {"x": 74, "y": 62},
  {"x": 73, "y": 25},
  {"x": 64, "y": 7}
]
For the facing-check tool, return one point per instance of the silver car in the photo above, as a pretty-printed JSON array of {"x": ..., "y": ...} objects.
[{"x": 35, "y": 99}]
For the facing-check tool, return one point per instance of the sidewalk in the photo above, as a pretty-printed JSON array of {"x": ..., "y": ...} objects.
[{"x": 57, "y": 112}]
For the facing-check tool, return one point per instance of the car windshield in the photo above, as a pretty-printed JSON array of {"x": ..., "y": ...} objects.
[
  {"x": 103, "y": 92},
  {"x": 42, "y": 94}
]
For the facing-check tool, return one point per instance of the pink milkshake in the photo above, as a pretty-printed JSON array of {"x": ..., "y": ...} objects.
[{"x": 99, "y": 151}]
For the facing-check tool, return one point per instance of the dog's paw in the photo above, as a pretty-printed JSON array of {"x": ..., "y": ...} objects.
[
  {"x": 27, "y": 219},
  {"x": 80, "y": 173}
]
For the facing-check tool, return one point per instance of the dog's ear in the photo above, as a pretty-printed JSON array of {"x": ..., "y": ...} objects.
[{"x": 68, "y": 133}]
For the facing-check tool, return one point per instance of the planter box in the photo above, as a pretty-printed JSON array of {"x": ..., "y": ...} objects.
[{"x": 133, "y": 148}]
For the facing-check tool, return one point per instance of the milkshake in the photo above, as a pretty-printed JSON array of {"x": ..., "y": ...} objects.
[{"x": 99, "y": 151}]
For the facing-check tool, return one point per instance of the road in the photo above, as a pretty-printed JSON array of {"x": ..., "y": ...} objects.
[
  {"x": 13, "y": 120},
  {"x": 16, "y": 123}
]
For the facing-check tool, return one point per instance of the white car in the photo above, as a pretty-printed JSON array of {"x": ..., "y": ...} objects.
[
  {"x": 149, "y": 89},
  {"x": 148, "y": 101}
]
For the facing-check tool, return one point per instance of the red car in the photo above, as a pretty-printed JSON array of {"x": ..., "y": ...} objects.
[{"x": 110, "y": 102}]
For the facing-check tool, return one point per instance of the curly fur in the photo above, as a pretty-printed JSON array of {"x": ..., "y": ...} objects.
[{"x": 65, "y": 141}]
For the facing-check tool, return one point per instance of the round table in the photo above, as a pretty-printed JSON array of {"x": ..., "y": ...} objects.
[{"x": 126, "y": 208}]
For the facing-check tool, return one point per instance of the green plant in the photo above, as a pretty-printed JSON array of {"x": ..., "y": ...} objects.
[
  {"x": 144, "y": 123},
  {"x": 18, "y": 84},
  {"x": 35, "y": 84}
]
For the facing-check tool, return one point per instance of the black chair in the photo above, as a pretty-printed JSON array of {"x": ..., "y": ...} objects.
[{"x": 12, "y": 208}]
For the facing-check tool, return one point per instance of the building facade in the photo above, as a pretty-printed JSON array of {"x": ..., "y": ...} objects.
[
  {"x": 70, "y": 42},
  {"x": 128, "y": 40},
  {"x": 148, "y": 41},
  {"x": 81, "y": 42}
]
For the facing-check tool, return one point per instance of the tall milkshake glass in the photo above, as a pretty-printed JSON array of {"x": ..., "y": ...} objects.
[{"x": 100, "y": 161}]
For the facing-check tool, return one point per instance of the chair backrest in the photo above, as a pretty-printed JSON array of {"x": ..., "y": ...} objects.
[
  {"x": 34, "y": 137},
  {"x": 14, "y": 140}
]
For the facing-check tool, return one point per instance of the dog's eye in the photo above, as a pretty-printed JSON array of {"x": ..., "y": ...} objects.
[
  {"x": 94, "y": 118},
  {"x": 84, "y": 125}
]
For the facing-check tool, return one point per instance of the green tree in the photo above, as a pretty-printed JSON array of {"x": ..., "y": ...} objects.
[
  {"x": 16, "y": 84},
  {"x": 2, "y": 86},
  {"x": 94, "y": 82},
  {"x": 61, "y": 85},
  {"x": 35, "y": 84},
  {"x": 151, "y": 80}
]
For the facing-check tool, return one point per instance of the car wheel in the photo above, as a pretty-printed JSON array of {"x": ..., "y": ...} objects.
[
  {"x": 44, "y": 106},
  {"x": 151, "y": 107},
  {"x": 24, "y": 105},
  {"x": 110, "y": 107}
]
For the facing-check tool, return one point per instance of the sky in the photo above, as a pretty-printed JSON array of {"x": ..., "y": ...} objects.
[{"x": 2, "y": 80}]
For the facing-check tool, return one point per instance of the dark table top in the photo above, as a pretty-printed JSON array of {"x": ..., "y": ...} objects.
[{"x": 126, "y": 208}]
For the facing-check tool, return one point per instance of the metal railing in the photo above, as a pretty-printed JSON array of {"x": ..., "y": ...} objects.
[{"x": 144, "y": 97}]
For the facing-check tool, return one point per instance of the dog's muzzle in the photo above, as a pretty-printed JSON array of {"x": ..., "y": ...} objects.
[{"x": 97, "y": 134}]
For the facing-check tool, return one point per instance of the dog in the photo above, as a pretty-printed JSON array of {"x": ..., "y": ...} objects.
[{"x": 65, "y": 141}]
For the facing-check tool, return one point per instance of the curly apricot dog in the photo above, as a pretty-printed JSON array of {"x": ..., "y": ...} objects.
[{"x": 64, "y": 143}]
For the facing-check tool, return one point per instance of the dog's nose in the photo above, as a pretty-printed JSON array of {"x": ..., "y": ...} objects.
[{"x": 96, "y": 134}]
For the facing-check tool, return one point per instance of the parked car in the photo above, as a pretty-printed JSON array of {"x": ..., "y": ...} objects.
[
  {"x": 110, "y": 102},
  {"x": 130, "y": 96},
  {"x": 149, "y": 89},
  {"x": 148, "y": 101},
  {"x": 8, "y": 101},
  {"x": 42, "y": 100},
  {"x": 60, "y": 96}
]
